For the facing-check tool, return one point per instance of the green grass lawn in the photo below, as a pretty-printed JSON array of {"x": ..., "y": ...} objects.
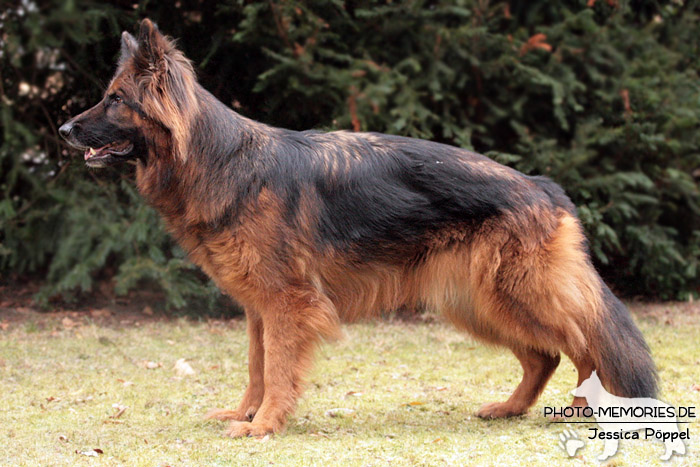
[{"x": 407, "y": 393}]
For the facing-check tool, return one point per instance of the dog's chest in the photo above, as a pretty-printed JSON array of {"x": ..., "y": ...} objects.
[{"x": 234, "y": 262}]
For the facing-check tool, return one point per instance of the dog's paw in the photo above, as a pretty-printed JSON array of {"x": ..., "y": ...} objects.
[
  {"x": 238, "y": 415},
  {"x": 499, "y": 410},
  {"x": 250, "y": 413},
  {"x": 224, "y": 415},
  {"x": 250, "y": 429}
]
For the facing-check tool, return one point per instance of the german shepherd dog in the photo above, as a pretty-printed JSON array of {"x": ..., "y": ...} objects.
[{"x": 308, "y": 229}]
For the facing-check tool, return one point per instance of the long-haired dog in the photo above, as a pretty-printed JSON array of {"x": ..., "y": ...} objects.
[{"x": 308, "y": 229}]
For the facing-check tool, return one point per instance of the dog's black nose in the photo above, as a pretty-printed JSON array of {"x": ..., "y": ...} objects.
[{"x": 65, "y": 129}]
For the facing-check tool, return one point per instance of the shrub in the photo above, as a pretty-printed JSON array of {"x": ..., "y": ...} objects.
[{"x": 603, "y": 97}]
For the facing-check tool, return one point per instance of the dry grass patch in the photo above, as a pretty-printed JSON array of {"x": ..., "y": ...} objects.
[{"x": 93, "y": 390}]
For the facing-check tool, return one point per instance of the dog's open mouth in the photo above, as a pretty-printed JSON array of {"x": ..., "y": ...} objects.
[{"x": 99, "y": 157}]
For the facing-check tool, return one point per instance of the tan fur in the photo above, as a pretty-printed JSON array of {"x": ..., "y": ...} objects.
[
  {"x": 483, "y": 282},
  {"x": 474, "y": 287}
]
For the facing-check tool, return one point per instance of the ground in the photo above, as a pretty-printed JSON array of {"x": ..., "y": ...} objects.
[{"x": 104, "y": 387}]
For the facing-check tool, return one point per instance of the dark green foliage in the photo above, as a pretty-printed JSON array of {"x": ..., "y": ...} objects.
[{"x": 603, "y": 99}]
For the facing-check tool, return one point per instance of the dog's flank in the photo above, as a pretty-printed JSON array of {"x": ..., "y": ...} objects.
[{"x": 308, "y": 229}]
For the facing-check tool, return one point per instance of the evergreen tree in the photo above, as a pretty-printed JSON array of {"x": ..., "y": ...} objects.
[{"x": 601, "y": 96}]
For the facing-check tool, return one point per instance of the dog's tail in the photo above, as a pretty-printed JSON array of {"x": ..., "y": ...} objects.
[
  {"x": 619, "y": 352},
  {"x": 605, "y": 330}
]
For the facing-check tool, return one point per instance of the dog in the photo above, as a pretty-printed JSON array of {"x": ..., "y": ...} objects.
[{"x": 309, "y": 229}]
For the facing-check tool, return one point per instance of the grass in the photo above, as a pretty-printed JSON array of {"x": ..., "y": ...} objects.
[{"x": 408, "y": 392}]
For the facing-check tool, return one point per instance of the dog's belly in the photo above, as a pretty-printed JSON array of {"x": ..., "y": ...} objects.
[
  {"x": 363, "y": 292},
  {"x": 440, "y": 283}
]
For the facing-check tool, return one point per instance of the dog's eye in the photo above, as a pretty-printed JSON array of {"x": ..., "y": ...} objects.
[{"x": 115, "y": 99}]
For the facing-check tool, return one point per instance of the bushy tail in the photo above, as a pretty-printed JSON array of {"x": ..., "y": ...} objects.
[{"x": 620, "y": 354}]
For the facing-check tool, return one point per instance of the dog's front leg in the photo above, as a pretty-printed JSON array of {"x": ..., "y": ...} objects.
[
  {"x": 256, "y": 366},
  {"x": 292, "y": 327}
]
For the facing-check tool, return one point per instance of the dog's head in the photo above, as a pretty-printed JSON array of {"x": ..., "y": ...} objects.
[{"x": 150, "y": 101}]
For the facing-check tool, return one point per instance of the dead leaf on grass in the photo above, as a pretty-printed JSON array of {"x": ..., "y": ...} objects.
[
  {"x": 182, "y": 368},
  {"x": 339, "y": 412},
  {"x": 120, "y": 409},
  {"x": 149, "y": 365},
  {"x": 414, "y": 403},
  {"x": 90, "y": 453}
]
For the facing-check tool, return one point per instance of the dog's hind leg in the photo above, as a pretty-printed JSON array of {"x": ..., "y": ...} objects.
[
  {"x": 585, "y": 366},
  {"x": 256, "y": 367},
  {"x": 538, "y": 367}
]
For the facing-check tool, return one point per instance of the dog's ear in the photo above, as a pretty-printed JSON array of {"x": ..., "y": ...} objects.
[
  {"x": 129, "y": 47},
  {"x": 152, "y": 47},
  {"x": 167, "y": 84}
]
